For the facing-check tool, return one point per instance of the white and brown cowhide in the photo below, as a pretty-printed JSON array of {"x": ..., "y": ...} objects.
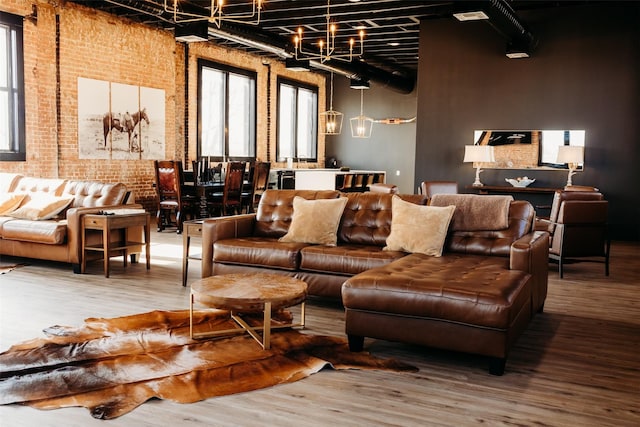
[{"x": 111, "y": 366}]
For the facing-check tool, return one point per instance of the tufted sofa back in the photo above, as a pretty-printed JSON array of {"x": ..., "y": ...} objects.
[
  {"x": 93, "y": 193},
  {"x": 51, "y": 186},
  {"x": 276, "y": 208},
  {"x": 495, "y": 242},
  {"x": 367, "y": 217}
]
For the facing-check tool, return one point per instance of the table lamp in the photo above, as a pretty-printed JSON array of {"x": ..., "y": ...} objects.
[
  {"x": 572, "y": 155},
  {"x": 478, "y": 154}
]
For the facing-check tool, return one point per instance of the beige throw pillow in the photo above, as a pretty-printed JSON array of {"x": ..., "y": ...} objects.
[
  {"x": 315, "y": 221},
  {"x": 10, "y": 202},
  {"x": 418, "y": 229},
  {"x": 41, "y": 206}
]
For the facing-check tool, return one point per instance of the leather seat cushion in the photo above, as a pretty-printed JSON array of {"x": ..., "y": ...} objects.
[
  {"x": 258, "y": 251},
  {"x": 468, "y": 289},
  {"x": 49, "y": 232},
  {"x": 345, "y": 259}
]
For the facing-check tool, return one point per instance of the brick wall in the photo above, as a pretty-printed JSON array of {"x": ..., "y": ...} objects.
[{"x": 69, "y": 41}]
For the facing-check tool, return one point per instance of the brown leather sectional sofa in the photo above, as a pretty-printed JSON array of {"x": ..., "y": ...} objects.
[
  {"x": 478, "y": 297},
  {"x": 59, "y": 238}
]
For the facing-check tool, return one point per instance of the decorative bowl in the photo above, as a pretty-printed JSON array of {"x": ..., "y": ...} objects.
[{"x": 520, "y": 182}]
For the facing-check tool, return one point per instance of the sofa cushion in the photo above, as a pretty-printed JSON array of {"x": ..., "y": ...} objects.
[
  {"x": 258, "y": 251},
  {"x": 28, "y": 184},
  {"x": 420, "y": 229},
  {"x": 40, "y": 206},
  {"x": 315, "y": 221},
  {"x": 345, "y": 259},
  {"x": 92, "y": 193},
  {"x": 9, "y": 181},
  {"x": 476, "y": 212},
  {"x": 275, "y": 209},
  {"x": 469, "y": 289},
  {"x": 49, "y": 232},
  {"x": 494, "y": 242},
  {"x": 367, "y": 217},
  {"x": 10, "y": 202}
]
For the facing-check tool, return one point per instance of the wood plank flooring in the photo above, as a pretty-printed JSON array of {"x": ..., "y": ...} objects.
[{"x": 578, "y": 363}]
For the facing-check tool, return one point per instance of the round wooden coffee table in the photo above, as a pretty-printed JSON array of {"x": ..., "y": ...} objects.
[{"x": 248, "y": 293}]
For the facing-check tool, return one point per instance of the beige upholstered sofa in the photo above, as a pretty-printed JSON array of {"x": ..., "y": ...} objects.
[{"x": 38, "y": 228}]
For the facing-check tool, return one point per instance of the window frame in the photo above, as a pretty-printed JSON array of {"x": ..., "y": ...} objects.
[
  {"x": 227, "y": 70},
  {"x": 297, "y": 86},
  {"x": 15, "y": 75}
]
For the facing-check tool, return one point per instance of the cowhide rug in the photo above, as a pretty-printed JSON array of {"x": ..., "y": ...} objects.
[{"x": 111, "y": 366}]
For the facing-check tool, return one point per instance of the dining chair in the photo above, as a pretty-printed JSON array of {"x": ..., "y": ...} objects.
[
  {"x": 259, "y": 182},
  {"x": 171, "y": 198},
  {"x": 429, "y": 188},
  {"x": 231, "y": 197},
  {"x": 581, "y": 234}
]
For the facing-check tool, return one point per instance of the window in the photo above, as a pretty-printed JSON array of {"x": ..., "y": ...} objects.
[
  {"x": 12, "y": 136},
  {"x": 297, "y": 121},
  {"x": 227, "y": 112}
]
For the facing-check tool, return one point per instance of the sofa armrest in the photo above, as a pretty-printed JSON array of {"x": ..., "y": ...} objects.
[
  {"x": 74, "y": 227},
  {"x": 530, "y": 253},
  {"x": 228, "y": 227}
]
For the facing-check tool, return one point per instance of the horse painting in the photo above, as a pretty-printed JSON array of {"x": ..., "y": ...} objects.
[{"x": 124, "y": 123}]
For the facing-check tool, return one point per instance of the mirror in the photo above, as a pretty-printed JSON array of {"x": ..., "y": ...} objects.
[{"x": 528, "y": 149}]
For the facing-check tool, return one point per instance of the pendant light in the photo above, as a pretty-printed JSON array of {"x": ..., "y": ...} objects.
[
  {"x": 330, "y": 120},
  {"x": 361, "y": 126}
]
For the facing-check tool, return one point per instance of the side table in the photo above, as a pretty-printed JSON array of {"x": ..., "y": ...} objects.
[
  {"x": 192, "y": 228},
  {"x": 114, "y": 220}
]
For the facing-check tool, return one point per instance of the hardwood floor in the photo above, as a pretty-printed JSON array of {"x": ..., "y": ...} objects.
[{"x": 578, "y": 363}]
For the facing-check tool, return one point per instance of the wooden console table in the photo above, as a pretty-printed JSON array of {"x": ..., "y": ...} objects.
[
  {"x": 487, "y": 189},
  {"x": 114, "y": 220}
]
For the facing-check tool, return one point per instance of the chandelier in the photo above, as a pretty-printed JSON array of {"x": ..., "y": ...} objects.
[
  {"x": 361, "y": 126},
  {"x": 330, "y": 120},
  {"x": 216, "y": 16},
  {"x": 327, "y": 47}
]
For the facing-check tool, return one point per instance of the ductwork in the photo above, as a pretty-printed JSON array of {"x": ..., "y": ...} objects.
[{"x": 504, "y": 20}]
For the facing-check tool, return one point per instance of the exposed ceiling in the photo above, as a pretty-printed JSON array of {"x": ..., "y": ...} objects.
[{"x": 391, "y": 28}]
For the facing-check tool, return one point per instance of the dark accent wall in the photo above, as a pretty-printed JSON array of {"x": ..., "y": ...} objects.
[{"x": 584, "y": 74}]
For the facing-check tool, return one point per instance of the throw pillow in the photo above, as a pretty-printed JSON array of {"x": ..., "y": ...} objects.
[
  {"x": 41, "y": 206},
  {"x": 418, "y": 229},
  {"x": 10, "y": 202},
  {"x": 315, "y": 221}
]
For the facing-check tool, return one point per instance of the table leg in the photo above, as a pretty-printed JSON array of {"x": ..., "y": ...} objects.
[
  {"x": 186, "y": 240},
  {"x": 83, "y": 265},
  {"x": 106, "y": 244},
  {"x": 147, "y": 241},
  {"x": 266, "y": 333}
]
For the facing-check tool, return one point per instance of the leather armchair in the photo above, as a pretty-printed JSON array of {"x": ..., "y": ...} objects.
[
  {"x": 560, "y": 196},
  {"x": 429, "y": 188},
  {"x": 581, "y": 233}
]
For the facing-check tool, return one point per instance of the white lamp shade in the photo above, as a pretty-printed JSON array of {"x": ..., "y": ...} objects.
[
  {"x": 478, "y": 153},
  {"x": 570, "y": 154}
]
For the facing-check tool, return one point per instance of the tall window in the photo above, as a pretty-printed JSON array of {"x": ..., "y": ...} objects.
[
  {"x": 12, "y": 139},
  {"x": 297, "y": 121},
  {"x": 227, "y": 112}
]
